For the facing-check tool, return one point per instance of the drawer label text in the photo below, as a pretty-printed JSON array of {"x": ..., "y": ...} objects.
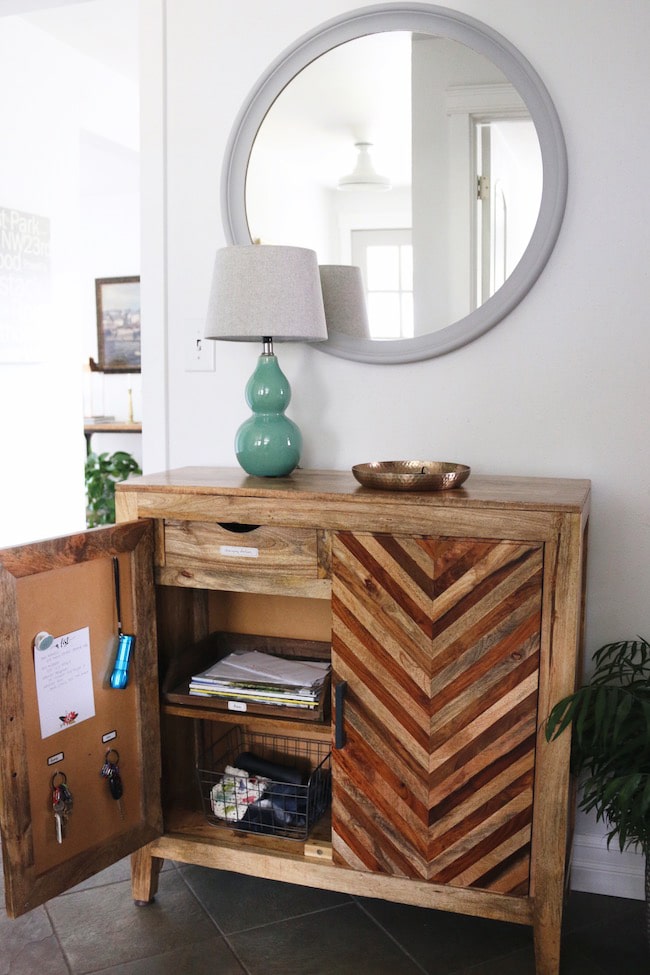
[{"x": 243, "y": 551}]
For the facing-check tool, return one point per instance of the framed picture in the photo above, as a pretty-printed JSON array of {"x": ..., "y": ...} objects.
[{"x": 118, "y": 324}]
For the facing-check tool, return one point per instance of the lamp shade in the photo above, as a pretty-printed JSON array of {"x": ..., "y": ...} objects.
[
  {"x": 344, "y": 300},
  {"x": 263, "y": 290}
]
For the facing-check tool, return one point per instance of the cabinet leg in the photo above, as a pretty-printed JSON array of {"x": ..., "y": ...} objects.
[
  {"x": 547, "y": 946},
  {"x": 145, "y": 870}
]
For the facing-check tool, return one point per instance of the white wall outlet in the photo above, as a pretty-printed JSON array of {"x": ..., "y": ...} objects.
[{"x": 199, "y": 352}]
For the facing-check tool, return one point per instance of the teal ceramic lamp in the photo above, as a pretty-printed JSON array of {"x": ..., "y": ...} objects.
[{"x": 266, "y": 293}]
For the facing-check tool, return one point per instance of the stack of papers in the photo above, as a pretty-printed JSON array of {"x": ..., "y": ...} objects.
[{"x": 255, "y": 676}]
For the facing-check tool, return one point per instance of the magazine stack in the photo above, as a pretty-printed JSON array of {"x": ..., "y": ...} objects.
[{"x": 257, "y": 677}]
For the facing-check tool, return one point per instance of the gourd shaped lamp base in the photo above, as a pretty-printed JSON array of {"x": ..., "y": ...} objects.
[{"x": 268, "y": 443}]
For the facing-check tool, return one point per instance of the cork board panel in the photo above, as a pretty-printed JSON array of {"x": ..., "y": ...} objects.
[{"x": 60, "y": 601}]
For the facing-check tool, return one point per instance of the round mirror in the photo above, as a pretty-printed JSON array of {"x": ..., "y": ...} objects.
[{"x": 418, "y": 145}]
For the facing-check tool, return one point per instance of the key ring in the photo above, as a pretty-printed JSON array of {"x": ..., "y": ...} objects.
[
  {"x": 64, "y": 780},
  {"x": 115, "y": 752}
]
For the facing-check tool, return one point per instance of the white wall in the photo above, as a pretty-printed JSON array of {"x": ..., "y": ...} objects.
[
  {"x": 69, "y": 154},
  {"x": 559, "y": 388},
  {"x": 41, "y": 448}
]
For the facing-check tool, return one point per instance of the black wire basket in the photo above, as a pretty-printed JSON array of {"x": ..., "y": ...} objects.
[{"x": 265, "y": 783}]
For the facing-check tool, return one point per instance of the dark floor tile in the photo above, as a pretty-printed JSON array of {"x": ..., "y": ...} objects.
[
  {"x": 117, "y": 873},
  {"x": 341, "y": 941},
  {"x": 100, "y": 926},
  {"x": 518, "y": 963},
  {"x": 614, "y": 943},
  {"x": 441, "y": 942},
  {"x": 208, "y": 958},
  {"x": 236, "y": 902},
  {"x": 523, "y": 963},
  {"x": 29, "y": 945},
  {"x": 583, "y": 908}
]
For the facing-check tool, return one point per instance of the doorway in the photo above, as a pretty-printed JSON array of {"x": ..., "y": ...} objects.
[
  {"x": 508, "y": 182},
  {"x": 69, "y": 213}
]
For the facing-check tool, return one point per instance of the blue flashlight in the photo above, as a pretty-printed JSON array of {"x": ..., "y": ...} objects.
[
  {"x": 120, "y": 675},
  {"x": 125, "y": 642}
]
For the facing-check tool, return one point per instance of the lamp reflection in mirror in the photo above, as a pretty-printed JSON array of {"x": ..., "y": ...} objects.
[
  {"x": 364, "y": 176},
  {"x": 262, "y": 293},
  {"x": 344, "y": 299}
]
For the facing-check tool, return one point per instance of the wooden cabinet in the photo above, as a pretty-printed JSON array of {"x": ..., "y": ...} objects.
[{"x": 455, "y": 623}]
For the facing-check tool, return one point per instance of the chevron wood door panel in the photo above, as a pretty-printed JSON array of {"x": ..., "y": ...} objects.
[{"x": 438, "y": 640}]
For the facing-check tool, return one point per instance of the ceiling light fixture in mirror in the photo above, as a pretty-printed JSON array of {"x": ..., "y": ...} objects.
[{"x": 445, "y": 103}]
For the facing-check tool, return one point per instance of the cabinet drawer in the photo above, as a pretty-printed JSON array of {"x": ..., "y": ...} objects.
[{"x": 241, "y": 548}]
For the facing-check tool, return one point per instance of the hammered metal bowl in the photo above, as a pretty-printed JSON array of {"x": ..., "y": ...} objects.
[{"x": 411, "y": 475}]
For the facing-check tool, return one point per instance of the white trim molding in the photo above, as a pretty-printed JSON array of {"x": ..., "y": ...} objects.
[
  {"x": 600, "y": 869},
  {"x": 500, "y": 99}
]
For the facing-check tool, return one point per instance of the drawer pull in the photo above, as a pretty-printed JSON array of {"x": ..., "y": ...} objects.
[
  {"x": 236, "y": 527},
  {"x": 339, "y": 704}
]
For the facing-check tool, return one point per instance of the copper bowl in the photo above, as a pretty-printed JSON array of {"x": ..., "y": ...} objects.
[{"x": 411, "y": 475}]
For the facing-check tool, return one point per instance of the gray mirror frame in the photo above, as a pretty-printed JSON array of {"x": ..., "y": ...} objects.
[{"x": 432, "y": 19}]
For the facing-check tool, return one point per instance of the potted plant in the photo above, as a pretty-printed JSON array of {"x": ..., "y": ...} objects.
[
  {"x": 610, "y": 744},
  {"x": 103, "y": 471}
]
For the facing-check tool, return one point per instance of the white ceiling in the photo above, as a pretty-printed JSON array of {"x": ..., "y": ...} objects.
[
  {"x": 106, "y": 30},
  {"x": 357, "y": 92}
]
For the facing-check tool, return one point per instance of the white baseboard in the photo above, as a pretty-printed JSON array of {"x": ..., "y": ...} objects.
[{"x": 601, "y": 870}]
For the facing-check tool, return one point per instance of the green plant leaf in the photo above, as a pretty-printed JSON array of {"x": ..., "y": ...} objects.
[
  {"x": 645, "y": 799},
  {"x": 102, "y": 472},
  {"x": 621, "y": 714},
  {"x": 610, "y": 740},
  {"x": 560, "y": 717}
]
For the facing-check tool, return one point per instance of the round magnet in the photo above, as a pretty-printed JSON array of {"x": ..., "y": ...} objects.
[{"x": 43, "y": 641}]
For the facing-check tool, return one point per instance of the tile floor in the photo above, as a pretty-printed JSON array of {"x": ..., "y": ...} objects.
[{"x": 205, "y": 921}]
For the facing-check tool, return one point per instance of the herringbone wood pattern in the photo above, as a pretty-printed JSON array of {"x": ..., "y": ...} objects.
[{"x": 438, "y": 640}]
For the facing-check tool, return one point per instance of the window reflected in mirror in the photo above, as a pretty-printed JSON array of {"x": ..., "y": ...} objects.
[{"x": 386, "y": 261}]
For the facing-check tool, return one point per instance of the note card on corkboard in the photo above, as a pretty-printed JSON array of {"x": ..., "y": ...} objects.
[{"x": 64, "y": 684}]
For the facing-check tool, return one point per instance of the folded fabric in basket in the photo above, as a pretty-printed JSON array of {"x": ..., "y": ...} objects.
[
  {"x": 234, "y": 792},
  {"x": 281, "y": 806}
]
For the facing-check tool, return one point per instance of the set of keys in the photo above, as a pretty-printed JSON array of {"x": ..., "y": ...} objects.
[
  {"x": 61, "y": 803},
  {"x": 111, "y": 772},
  {"x": 62, "y": 797}
]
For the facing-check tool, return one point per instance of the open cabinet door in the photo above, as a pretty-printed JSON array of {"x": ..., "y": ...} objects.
[{"x": 59, "y": 716}]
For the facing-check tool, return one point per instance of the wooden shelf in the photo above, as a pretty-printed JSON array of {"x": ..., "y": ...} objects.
[
  {"x": 198, "y": 656},
  {"x": 217, "y": 709},
  {"x": 188, "y": 823},
  {"x": 264, "y": 723},
  {"x": 117, "y": 426}
]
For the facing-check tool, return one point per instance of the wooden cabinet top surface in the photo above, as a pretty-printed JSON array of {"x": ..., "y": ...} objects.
[{"x": 320, "y": 486}]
